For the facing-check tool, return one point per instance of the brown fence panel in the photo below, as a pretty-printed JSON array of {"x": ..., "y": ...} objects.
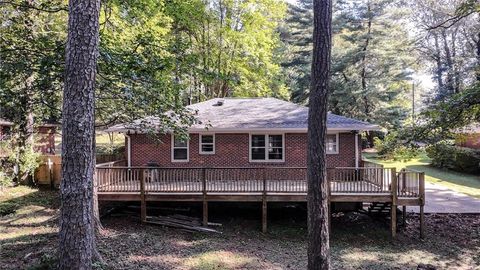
[{"x": 49, "y": 171}]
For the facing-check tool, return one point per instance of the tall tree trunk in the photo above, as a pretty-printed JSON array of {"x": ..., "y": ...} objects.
[
  {"x": 366, "y": 100},
  {"x": 477, "y": 45},
  {"x": 364, "y": 62},
  {"x": 77, "y": 237},
  {"x": 439, "y": 66},
  {"x": 448, "y": 59},
  {"x": 318, "y": 213}
]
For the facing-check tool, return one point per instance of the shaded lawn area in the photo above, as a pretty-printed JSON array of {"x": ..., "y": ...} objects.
[
  {"x": 461, "y": 182},
  {"x": 28, "y": 239}
]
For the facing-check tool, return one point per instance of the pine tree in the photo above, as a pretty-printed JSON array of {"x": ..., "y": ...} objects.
[
  {"x": 77, "y": 235},
  {"x": 296, "y": 34},
  {"x": 317, "y": 197},
  {"x": 371, "y": 52}
]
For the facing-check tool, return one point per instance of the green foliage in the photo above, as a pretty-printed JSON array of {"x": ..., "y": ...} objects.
[
  {"x": 446, "y": 155},
  {"x": 447, "y": 116},
  {"x": 296, "y": 34},
  {"x": 392, "y": 147},
  {"x": 110, "y": 149},
  {"x": 371, "y": 52},
  {"x": 155, "y": 57},
  {"x": 26, "y": 160}
]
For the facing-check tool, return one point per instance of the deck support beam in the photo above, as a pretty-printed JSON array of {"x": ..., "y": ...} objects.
[
  {"x": 421, "y": 188},
  {"x": 393, "y": 210},
  {"x": 143, "y": 201},
  {"x": 404, "y": 215},
  {"x": 264, "y": 216},
  {"x": 204, "y": 198},
  {"x": 422, "y": 223},
  {"x": 205, "y": 213},
  {"x": 329, "y": 218},
  {"x": 264, "y": 203}
]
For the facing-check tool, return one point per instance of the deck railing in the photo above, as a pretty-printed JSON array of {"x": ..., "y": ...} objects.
[
  {"x": 410, "y": 183},
  {"x": 361, "y": 180},
  {"x": 272, "y": 180}
]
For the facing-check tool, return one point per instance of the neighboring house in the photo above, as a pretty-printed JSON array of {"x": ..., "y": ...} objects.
[
  {"x": 469, "y": 137},
  {"x": 244, "y": 132},
  {"x": 44, "y": 136}
]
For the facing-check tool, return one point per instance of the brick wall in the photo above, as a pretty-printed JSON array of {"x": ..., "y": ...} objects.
[
  {"x": 470, "y": 140},
  {"x": 45, "y": 140},
  {"x": 232, "y": 150}
]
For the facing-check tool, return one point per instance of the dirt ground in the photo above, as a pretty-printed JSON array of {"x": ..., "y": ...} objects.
[{"x": 28, "y": 227}]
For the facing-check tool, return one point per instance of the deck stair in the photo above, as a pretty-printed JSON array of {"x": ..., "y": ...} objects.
[{"x": 379, "y": 209}]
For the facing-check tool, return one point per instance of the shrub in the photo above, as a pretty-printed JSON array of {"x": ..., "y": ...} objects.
[
  {"x": 446, "y": 155},
  {"x": 110, "y": 149},
  {"x": 27, "y": 163},
  {"x": 391, "y": 147}
]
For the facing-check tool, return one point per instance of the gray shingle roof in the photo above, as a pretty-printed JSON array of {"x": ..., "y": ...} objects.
[
  {"x": 263, "y": 113},
  {"x": 236, "y": 114}
]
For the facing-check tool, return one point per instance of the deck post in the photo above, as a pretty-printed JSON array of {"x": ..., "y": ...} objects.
[
  {"x": 421, "y": 189},
  {"x": 393, "y": 210},
  {"x": 205, "y": 202},
  {"x": 329, "y": 192},
  {"x": 404, "y": 215},
  {"x": 264, "y": 202},
  {"x": 143, "y": 203}
]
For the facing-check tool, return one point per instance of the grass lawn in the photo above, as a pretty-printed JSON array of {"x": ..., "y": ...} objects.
[
  {"x": 102, "y": 140},
  {"x": 28, "y": 239},
  {"x": 461, "y": 182}
]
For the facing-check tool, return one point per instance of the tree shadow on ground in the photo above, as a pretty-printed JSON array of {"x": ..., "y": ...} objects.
[{"x": 28, "y": 227}]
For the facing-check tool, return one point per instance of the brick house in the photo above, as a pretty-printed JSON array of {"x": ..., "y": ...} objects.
[
  {"x": 244, "y": 132},
  {"x": 252, "y": 150},
  {"x": 469, "y": 137},
  {"x": 44, "y": 136}
]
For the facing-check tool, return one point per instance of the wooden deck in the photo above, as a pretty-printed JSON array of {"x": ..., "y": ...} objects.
[{"x": 371, "y": 183}]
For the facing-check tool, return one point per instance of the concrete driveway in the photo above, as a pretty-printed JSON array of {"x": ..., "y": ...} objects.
[{"x": 439, "y": 199}]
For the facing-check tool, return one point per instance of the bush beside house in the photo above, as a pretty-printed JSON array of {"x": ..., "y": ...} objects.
[
  {"x": 392, "y": 147},
  {"x": 446, "y": 155}
]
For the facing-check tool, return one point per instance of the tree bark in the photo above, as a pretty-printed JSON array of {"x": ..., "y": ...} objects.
[
  {"x": 318, "y": 214},
  {"x": 77, "y": 238}
]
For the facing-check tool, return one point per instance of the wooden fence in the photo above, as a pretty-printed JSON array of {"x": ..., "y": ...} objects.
[{"x": 49, "y": 172}]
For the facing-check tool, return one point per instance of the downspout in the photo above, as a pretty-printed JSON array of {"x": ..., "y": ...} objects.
[
  {"x": 356, "y": 150},
  {"x": 129, "y": 150}
]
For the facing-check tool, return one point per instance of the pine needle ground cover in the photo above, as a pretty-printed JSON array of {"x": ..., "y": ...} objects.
[{"x": 28, "y": 240}]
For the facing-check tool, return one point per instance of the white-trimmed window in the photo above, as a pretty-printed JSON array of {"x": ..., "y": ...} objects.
[
  {"x": 332, "y": 144},
  {"x": 180, "y": 151},
  {"x": 267, "y": 147},
  {"x": 207, "y": 144}
]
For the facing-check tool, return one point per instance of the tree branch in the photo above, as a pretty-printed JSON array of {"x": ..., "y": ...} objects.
[{"x": 18, "y": 5}]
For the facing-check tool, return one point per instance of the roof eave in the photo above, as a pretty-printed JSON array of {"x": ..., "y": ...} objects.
[{"x": 250, "y": 130}]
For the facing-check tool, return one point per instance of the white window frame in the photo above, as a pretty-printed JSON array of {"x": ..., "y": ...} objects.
[
  {"x": 336, "y": 152},
  {"x": 266, "y": 160},
  {"x": 200, "y": 143},
  {"x": 172, "y": 148}
]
